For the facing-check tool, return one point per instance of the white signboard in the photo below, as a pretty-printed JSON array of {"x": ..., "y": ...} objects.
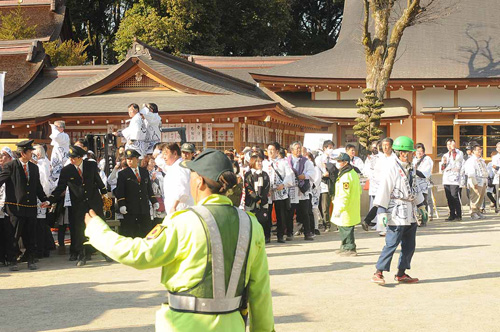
[{"x": 315, "y": 141}]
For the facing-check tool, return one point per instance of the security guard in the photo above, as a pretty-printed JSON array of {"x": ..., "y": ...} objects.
[
  {"x": 85, "y": 189},
  {"x": 212, "y": 256},
  {"x": 134, "y": 192},
  {"x": 22, "y": 187},
  {"x": 347, "y": 204}
]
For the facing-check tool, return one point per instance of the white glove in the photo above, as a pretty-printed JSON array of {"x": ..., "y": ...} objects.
[
  {"x": 383, "y": 218},
  {"x": 123, "y": 210},
  {"x": 156, "y": 206}
]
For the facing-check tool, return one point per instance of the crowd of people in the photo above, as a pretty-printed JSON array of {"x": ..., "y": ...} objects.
[{"x": 292, "y": 191}]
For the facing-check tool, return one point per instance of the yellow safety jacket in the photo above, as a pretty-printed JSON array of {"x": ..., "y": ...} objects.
[
  {"x": 183, "y": 246},
  {"x": 347, "y": 201}
]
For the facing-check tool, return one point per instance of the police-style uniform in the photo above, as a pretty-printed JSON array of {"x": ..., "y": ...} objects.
[
  {"x": 85, "y": 189},
  {"x": 134, "y": 191},
  {"x": 212, "y": 256},
  {"x": 22, "y": 188},
  {"x": 347, "y": 204}
]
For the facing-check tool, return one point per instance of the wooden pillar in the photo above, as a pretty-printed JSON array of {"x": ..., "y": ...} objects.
[
  {"x": 414, "y": 116},
  {"x": 237, "y": 136}
]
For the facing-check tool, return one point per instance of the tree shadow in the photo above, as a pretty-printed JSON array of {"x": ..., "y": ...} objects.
[
  {"x": 335, "y": 266},
  {"x": 295, "y": 318},
  {"x": 478, "y": 276},
  {"x": 70, "y": 305}
]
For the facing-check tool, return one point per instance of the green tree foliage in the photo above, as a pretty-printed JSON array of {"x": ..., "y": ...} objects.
[
  {"x": 141, "y": 21},
  {"x": 68, "y": 53},
  {"x": 315, "y": 26},
  {"x": 15, "y": 26},
  {"x": 253, "y": 27},
  {"x": 370, "y": 112}
]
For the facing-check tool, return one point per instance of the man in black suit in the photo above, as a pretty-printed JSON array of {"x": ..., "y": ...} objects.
[
  {"x": 85, "y": 190},
  {"x": 22, "y": 187},
  {"x": 134, "y": 192}
]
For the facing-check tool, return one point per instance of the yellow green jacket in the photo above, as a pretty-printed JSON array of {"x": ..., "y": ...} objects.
[
  {"x": 347, "y": 201},
  {"x": 181, "y": 251}
]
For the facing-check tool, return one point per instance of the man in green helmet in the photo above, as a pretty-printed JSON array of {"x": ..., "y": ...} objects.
[
  {"x": 212, "y": 256},
  {"x": 398, "y": 199}
]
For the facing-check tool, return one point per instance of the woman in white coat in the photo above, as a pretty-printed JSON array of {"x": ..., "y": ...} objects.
[{"x": 423, "y": 165}]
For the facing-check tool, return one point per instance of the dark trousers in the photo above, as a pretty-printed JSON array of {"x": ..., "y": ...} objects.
[
  {"x": 325, "y": 200},
  {"x": 371, "y": 214},
  {"x": 77, "y": 231},
  {"x": 406, "y": 235},
  {"x": 302, "y": 210},
  {"x": 453, "y": 197},
  {"x": 347, "y": 238},
  {"x": 25, "y": 228},
  {"x": 262, "y": 215},
  {"x": 43, "y": 238},
  {"x": 135, "y": 225},
  {"x": 9, "y": 247},
  {"x": 280, "y": 209}
]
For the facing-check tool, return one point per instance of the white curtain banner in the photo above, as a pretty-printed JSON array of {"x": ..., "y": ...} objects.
[{"x": 2, "y": 84}]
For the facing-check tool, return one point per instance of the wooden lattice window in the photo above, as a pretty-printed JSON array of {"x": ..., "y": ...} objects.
[{"x": 139, "y": 81}]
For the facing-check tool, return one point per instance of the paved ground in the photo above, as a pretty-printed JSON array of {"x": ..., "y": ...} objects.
[{"x": 313, "y": 288}]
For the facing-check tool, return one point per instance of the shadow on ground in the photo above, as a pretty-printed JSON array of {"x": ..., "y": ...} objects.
[{"x": 72, "y": 305}]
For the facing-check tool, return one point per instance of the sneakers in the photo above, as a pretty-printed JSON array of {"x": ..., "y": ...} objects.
[
  {"x": 378, "y": 278},
  {"x": 289, "y": 237},
  {"x": 309, "y": 237},
  {"x": 475, "y": 216},
  {"x": 482, "y": 216},
  {"x": 405, "y": 279},
  {"x": 316, "y": 232},
  {"x": 348, "y": 253},
  {"x": 450, "y": 218},
  {"x": 281, "y": 240}
]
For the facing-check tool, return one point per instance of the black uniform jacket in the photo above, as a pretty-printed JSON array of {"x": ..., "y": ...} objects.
[
  {"x": 21, "y": 194},
  {"x": 85, "y": 193},
  {"x": 132, "y": 194},
  {"x": 252, "y": 196}
]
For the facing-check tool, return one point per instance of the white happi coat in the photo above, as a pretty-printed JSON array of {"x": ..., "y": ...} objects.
[
  {"x": 451, "y": 173},
  {"x": 294, "y": 192},
  {"x": 380, "y": 167},
  {"x": 370, "y": 173},
  {"x": 426, "y": 168},
  {"x": 60, "y": 153},
  {"x": 285, "y": 177},
  {"x": 152, "y": 122},
  {"x": 135, "y": 134},
  {"x": 358, "y": 163},
  {"x": 495, "y": 161},
  {"x": 397, "y": 195},
  {"x": 43, "y": 168},
  {"x": 477, "y": 174}
]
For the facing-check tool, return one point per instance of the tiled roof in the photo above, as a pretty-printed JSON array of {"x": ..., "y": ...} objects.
[
  {"x": 36, "y": 101},
  {"x": 464, "y": 44}
]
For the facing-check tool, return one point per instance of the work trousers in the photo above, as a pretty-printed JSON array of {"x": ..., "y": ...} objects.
[
  {"x": 25, "y": 228},
  {"x": 135, "y": 225},
  {"x": 453, "y": 197},
  {"x": 324, "y": 203},
  {"x": 280, "y": 209},
  {"x": 302, "y": 210},
  {"x": 406, "y": 235},
  {"x": 476, "y": 198},
  {"x": 347, "y": 238}
]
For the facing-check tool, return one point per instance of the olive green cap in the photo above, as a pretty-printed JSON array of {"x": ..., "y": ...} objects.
[{"x": 210, "y": 163}]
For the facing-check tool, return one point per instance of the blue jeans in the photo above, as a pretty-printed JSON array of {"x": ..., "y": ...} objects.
[{"x": 395, "y": 235}]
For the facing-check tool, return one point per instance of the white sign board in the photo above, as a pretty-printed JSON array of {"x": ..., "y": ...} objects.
[{"x": 315, "y": 141}]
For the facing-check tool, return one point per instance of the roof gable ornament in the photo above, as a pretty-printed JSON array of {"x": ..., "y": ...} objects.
[{"x": 138, "y": 49}]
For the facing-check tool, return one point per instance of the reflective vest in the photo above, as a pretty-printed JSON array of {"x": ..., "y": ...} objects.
[{"x": 211, "y": 295}]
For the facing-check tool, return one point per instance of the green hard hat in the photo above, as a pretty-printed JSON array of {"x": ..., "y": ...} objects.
[{"x": 403, "y": 143}]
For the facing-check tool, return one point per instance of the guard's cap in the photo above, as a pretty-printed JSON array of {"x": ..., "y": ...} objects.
[
  {"x": 27, "y": 144},
  {"x": 131, "y": 153},
  {"x": 342, "y": 157},
  {"x": 76, "y": 151},
  {"x": 8, "y": 151},
  {"x": 210, "y": 163},
  {"x": 188, "y": 147}
]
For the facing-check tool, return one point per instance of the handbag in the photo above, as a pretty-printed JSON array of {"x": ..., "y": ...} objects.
[{"x": 159, "y": 199}]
